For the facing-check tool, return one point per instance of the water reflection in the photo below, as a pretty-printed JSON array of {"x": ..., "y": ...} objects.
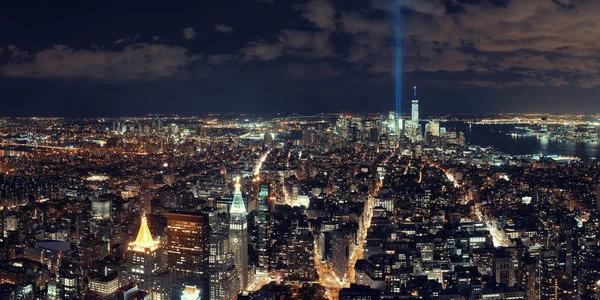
[{"x": 501, "y": 137}]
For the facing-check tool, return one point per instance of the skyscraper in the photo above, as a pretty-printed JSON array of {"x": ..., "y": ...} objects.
[
  {"x": 434, "y": 128},
  {"x": 238, "y": 235},
  {"x": 343, "y": 244},
  {"x": 187, "y": 250},
  {"x": 415, "y": 107},
  {"x": 223, "y": 283},
  {"x": 300, "y": 254},
  {"x": 415, "y": 133},
  {"x": 263, "y": 230},
  {"x": 392, "y": 123},
  {"x": 143, "y": 265}
]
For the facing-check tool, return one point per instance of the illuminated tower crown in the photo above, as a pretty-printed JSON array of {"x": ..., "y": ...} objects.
[
  {"x": 238, "y": 206},
  {"x": 144, "y": 240}
]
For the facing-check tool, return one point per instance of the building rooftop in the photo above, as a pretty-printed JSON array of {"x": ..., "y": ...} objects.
[{"x": 144, "y": 240}]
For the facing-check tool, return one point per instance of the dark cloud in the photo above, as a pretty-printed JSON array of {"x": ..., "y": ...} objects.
[
  {"x": 553, "y": 40},
  {"x": 138, "y": 61},
  {"x": 291, "y": 43},
  {"x": 189, "y": 33},
  {"x": 220, "y": 59},
  {"x": 312, "y": 71},
  {"x": 16, "y": 53},
  {"x": 261, "y": 50},
  {"x": 320, "y": 12},
  {"x": 539, "y": 42},
  {"x": 223, "y": 28},
  {"x": 132, "y": 39}
]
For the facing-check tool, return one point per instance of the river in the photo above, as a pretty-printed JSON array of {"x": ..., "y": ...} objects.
[{"x": 499, "y": 137}]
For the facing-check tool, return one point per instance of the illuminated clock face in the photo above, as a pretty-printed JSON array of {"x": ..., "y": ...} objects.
[{"x": 235, "y": 240}]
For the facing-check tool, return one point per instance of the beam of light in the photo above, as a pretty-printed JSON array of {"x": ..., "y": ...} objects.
[{"x": 398, "y": 68}]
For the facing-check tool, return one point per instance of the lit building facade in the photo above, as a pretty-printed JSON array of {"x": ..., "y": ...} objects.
[
  {"x": 143, "y": 265},
  {"x": 104, "y": 286},
  {"x": 190, "y": 293},
  {"x": 238, "y": 235},
  {"x": 223, "y": 282},
  {"x": 433, "y": 128},
  {"x": 414, "y": 132},
  {"x": 263, "y": 230},
  {"x": 415, "y": 107},
  {"x": 187, "y": 239}
]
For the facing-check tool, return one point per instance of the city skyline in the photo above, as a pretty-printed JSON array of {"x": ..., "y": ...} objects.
[
  {"x": 301, "y": 56},
  {"x": 337, "y": 207}
]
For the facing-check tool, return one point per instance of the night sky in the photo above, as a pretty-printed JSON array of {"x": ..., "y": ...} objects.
[{"x": 129, "y": 58}]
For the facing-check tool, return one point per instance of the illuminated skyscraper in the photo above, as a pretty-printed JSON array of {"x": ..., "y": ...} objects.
[
  {"x": 414, "y": 133},
  {"x": 263, "y": 230},
  {"x": 392, "y": 124},
  {"x": 143, "y": 265},
  {"x": 433, "y": 128},
  {"x": 223, "y": 283},
  {"x": 300, "y": 254},
  {"x": 415, "y": 107},
  {"x": 187, "y": 250},
  {"x": 268, "y": 140},
  {"x": 238, "y": 235}
]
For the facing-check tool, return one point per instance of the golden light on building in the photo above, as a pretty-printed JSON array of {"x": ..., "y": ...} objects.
[{"x": 144, "y": 241}]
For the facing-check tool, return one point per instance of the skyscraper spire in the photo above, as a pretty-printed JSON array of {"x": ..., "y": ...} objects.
[
  {"x": 238, "y": 206},
  {"x": 144, "y": 238},
  {"x": 415, "y": 92}
]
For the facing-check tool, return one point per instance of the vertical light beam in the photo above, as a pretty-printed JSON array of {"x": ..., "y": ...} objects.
[{"x": 398, "y": 54}]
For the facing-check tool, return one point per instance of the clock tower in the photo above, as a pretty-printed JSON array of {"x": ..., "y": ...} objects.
[{"x": 238, "y": 235}]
